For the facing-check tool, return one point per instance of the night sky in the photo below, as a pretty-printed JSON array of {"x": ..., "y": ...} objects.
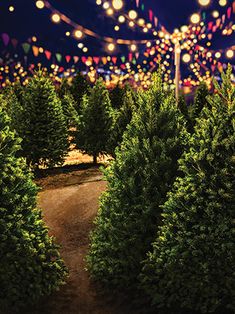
[{"x": 27, "y": 21}]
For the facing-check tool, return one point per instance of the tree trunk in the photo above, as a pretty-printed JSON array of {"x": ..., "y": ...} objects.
[{"x": 95, "y": 159}]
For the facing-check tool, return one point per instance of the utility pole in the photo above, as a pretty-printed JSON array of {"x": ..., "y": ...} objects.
[{"x": 177, "y": 69}]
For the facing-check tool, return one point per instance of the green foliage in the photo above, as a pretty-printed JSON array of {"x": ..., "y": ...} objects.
[
  {"x": 122, "y": 118},
  {"x": 44, "y": 132},
  {"x": 200, "y": 101},
  {"x": 138, "y": 181},
  {"x": 30, "y": 264},
  {"x": 78, "y": 88},
  {"x": 95, "y": 121},
  {"x": 116, "y": 97},
  {"x": 192, "y": 265}
]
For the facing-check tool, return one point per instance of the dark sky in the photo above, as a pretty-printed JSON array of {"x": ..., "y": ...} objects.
[{"x": 27, "y": 21}]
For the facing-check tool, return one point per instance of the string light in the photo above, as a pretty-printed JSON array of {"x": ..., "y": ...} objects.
[
  {"x": 11, "y": 8},
  {"x": 186, "y": 58},
  {"x": 133, "y": 47},
  {"x": 40, "y": 4},
  {"x": 204, "y": 3},
  {"x": 215, "y": 14},
  {"x": 109, "y": 11},
  {"x": 106, "y": 5},
  {"x": 121, "y": 19},
  {"x": 111, "y": 47},
  {"x": 223, "y": 3},
  {"x": 78, "y": 34},
  {"x": 55, "y": 18},
  {"x": 195, "y": 18},
  {"x": 218, "y": 55},
  {"x": 230, "y": 54},
  {"x": 117, "y": 4},
  {"x": 132, "y": 14}
]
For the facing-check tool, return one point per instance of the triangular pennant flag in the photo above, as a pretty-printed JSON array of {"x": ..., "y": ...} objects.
[
  {"x": 75, "y": 59},
  {"x": 104, "y": 60},
  {"x": 35, "y": 51},
  {"x": 151, "y": 15},
  {"x": 155, "y": 21},
  {"x": 84, "y": 59},
  {"x": 130, "y": 56},
  {"x": 229, "y": 12},
  {"x": 58, "y": 57},
  {"x": 5, "y": 38},
  {"x": 123, "y": 58},
  {"x": 96, "y": 60},
  {"x": 48, "y": 54},
  {"x": 134, "y": 61},
  {"x": 142, "y": 7},
  {"x": 14, "y": 42},
  {"x": 137, "y": 55},
  {"x": 67, "y": 58},
  {"x": 61, "y": 69},
  {"x": 114, "y": 59},
  {"x": 137, "y": 3},
  {"x": 26, "y": 47}
]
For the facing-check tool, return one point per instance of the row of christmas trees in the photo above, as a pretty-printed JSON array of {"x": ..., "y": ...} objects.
[
  {"x": 165, "y": 229},
  {"x": 48, "y": 118}
]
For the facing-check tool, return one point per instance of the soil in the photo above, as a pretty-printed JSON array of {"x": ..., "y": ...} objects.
[{"x": 69, "y": 202}]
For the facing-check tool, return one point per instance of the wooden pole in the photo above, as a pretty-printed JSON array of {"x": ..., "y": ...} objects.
[{"x": 177, "y": 69}]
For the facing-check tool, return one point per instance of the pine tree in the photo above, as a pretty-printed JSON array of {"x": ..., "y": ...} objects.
[
  {"x": 45, "y": 136},
  {"x": 95, "y": 121},
  {"x": 122, "y": 118},
  {"x": 79, "y": 87},
  {"x": 30, "y": 264},
  {"x": 200, "y": 101},
  {"x": 192, "y": 265},
  {"x": 138, "y": 181}
]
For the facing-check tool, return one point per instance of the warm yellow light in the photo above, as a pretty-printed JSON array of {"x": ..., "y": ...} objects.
[
  {"x": 85, "y": 49},
  {"x": 34, "y": 38},
  {"x": 209, "y": 54},
  {"x": 117, "y": 4},
  {"x": 222, "y": 3},
  {"x": 133, "y": 47},
  {"x": 98, "y": 2},
  {"x": 148, "y": 44},
  {"x": 215, "y": 14},
  {"x": 230, "y": 54},
  {"x": 78, "y": 34},
  {"x": 111, "y": 47},
  {"x": 11, "y": 8},
  {"x": 121, "y": 19},
  {"x": 116, "y": 28},
  {"x": 218, "y": 55},
  {"x": 184, "y": 28},
  {"x": 40, "y": 4},
  {"x": 204, "y": 3},
  {"x": 141, "y": 22},
  {"x": 55, "y": 18},
  {"x": 131, "y": 24},
  {"x": 106, "y": 5},
  {"x": 149, "y": 25},
  {"x": 186, "y": 58},
  {"x": 41, "y": 50},
  {"x": 80, "y": 45},
  {"x": 195, "y": 18},
  {"x": 132, "y": 14},
  {"x": 109, "y": 11},
  {"x": 67, "y": 34}
]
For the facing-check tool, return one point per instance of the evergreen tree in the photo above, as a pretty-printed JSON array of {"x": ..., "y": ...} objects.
[
  {"x": 116, "y": 96},
  {"x": 122, "y": 118},
  {"x": 138, "y": 181},
  {"x": 95, "y": 121},
  {"x": 30, "y": 264},
  {"x": 192, "y": 265},
  {"x": 79, "y": 87},
  {"x": 44, "y": 130},
  {"x": 200, "y": 101}
]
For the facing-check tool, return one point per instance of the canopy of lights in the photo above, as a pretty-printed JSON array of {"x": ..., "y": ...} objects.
[{"x": 131, "y": 50}]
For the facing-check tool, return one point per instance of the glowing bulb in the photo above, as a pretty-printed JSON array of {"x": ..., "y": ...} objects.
[
  {"x": 222, "y": 3},
  {"x": 111, "y": 47},
  {"x": 145, "y": 29},
  {"x": 98, "y": 2},
  {"x": 11, "y": 9},
  {"x": 40, "y": 4},
  {"x": 55, "y": 18},
  {"x": 117, "y": 4},
  {"x": 186, "y": 58},
  {"x": 132, "y": 14},
  {"x": 195, "y": 18},
  {"x": 204, "y": 3},
  {"x": 80, "y": 45},
  {"x": 133, "y": 47},
  {"x": 149, "y": 25},
  {"x": 184, "y": 28},
  {"x": 78, "y": 34},
  {"x": 218, "y": 55},
  {"x": 109, "y": 11},
  {"x": 67, "y": 34},
  {"x": 106, "y": 5},
  {"x": 215, "y": 14},
  {"x": 85, "y": 49},
  {"x": 121, "y": 19},
  {"x": 141, "y": 22},
  {"x": 230, "y": 54},
  {"x": 131, "y": 24},
  {"x": 116, "y": 28}
]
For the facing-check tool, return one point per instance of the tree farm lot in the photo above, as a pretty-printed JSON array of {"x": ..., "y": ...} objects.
[{"x": 69, "y": 201}]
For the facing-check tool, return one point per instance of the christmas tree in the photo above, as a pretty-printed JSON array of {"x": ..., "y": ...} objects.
[
  {"x": 138, "y": 181},
  {"x": 71, "y": 115},
  {"x": 44, "y": 132},
  {"x": 78, "y": 88},
  {"x": 122, "y": 118},
  {"x": 30, "y": 264},
  {"x": 200, "y": 101},
  {"x": 116, "y": 96},
  {"x": 95, "y": 121},
  {"x": 192, "y": 265}
]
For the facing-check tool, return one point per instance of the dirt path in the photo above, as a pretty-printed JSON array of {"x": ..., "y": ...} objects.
[{"x": 69, "y": 203}]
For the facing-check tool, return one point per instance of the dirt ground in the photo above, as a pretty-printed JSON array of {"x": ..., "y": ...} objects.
[{"x": 69, "y": 202}]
